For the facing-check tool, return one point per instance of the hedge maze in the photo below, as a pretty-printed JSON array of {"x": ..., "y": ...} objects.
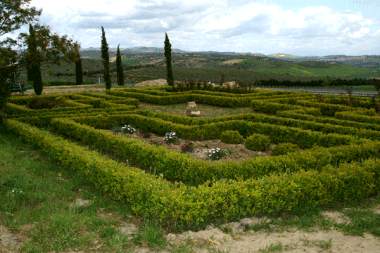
[{"x": 318, "y": 151}]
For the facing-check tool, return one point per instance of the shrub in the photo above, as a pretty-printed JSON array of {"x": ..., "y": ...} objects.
[
  {"x": 128, "y": 129},
  {"x": 180, "y": 206},
  {"x": 284, "y": 148},
  {"x": 257, "y": 142},
  {"x": 231, "y": 137},
  {"x": 216, "y": 153},
  {"x": 171, "y": 137}
]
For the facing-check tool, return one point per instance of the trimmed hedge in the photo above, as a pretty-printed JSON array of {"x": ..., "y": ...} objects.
[
  {"x": 257, "y": 142},
  {"x": 307, "y": 122},
  {"x": 303, "y": 138},
  {"x": 184, "y": 207},
  {"x": 358, "y": 117},
  {"x": 177, "y": 166},
  {"x": 284, "y": 148},
  {"x": 231, "y": 137}
]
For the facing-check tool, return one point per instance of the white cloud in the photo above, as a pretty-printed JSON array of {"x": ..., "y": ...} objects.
[{"x": 224, "y": 25}]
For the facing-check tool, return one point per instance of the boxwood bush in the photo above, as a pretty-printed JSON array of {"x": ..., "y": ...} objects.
[
  {"x": 284, "y": 148},
  {"x": 257, "y": 142},
  {"x": 179, "y": 206},
  {"x": 231, "y": 137}
]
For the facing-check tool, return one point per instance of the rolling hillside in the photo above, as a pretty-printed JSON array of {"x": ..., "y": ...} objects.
[{"x": 148, "y": 63}]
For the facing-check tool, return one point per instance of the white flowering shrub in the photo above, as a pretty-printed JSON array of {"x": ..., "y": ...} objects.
[
  {"x": 216, "y": 153},
  {"x": 171, "y": 137},
  {"x": 128, "y": 129}
]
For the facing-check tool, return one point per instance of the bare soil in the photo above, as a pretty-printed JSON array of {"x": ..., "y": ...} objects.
[
  {"x": 200, "y": 148},
  {"x": 215, "y": 240},
  {"x": 9, "y": 242}
]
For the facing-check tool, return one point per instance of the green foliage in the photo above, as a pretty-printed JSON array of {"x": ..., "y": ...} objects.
[
  {"x": 182, "y": 206},
  {"x": 78, "y": 66},
  {"x": 119, "y": 68},
  {"x": 257, "y": 142},
  {"x": 15, "y": 13},
  {"x": 168, "y": 58},
  {"x": 179, "y": 167},
  {"x": 284, "y": 148},
  {"x": 34, "y": 62},
  {"x": 106, "y": 60},
  {"x": 232, "y": 137},
  {"x": 150, "y": 234}
]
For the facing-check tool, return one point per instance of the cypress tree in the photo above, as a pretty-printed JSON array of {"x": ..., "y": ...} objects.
[
  {"x": 78, "y": 66},
  {"x": 106, "y": 60},
  {"x": 34, "y": 62},
  {"x": 119, "y": 67},
  {"x": 168, "y": 57}
]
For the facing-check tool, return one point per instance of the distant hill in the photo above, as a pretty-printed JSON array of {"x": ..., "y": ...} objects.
[{"x": 148, "y": 63}]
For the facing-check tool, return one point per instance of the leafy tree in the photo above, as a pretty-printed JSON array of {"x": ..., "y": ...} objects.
[
  {"x": 43, "y": 46},
  {"x": 13, "y": 14},
  {"x": 106, "y": 60},
  {"x": 119, "y": 67},
  {"x": 168, "y": 57},
  {"x": 7, "y": 70}
]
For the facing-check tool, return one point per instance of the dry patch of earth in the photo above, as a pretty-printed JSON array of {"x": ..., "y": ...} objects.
[
  {"x": 336, "y": 217},
  {"x": 215, "y": 240},
  {"x": 233, "y": 61},
  {"x": 9, "y": 242},
  {"x": 151, "y": 83},
  {"x": 377, "y": 209}
]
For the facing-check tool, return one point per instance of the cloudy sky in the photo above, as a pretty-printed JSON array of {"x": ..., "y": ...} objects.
[{"x": 301, "y": 27}]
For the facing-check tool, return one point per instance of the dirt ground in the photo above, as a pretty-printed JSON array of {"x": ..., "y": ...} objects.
[
  {"x": 288, "y": 241},
  {"x": 200, "y": 148}
]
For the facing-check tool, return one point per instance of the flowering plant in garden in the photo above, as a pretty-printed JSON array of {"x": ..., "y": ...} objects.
[
  {"x": 216, "y": 153},
  {"x": 171, "y": 137},
  {"x": 128, "y": 129}
]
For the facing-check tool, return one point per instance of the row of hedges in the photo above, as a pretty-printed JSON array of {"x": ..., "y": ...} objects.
[
  {"x": 271, "y": 107},
  {"x": 183, "y": 207},
  {"x": 278, "y": 134},
  {"x": 325, "y": 108},
  {"x": 20, "y": 110},
  {"x": 183, "y": 98},
  {"x": 358, "y": 117},
  {"x": 283, "y": 121},
  {"x": 357, "y": 129},
  {"x": 370, "y": 125},
  {"x": 113, "y": 99},
  {"x": 182, "y": 167}
]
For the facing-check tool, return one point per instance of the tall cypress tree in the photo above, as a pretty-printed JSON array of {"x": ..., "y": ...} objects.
[
  {"x": 78, "y": 66},
  {"x": 168, "y": 57},
  {"x": 34, "y": 62},
  {"x": 106, "y": 60},
  {"x": 119, "y": 67}
]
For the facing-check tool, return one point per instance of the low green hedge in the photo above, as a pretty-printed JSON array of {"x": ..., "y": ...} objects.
[
  {"x": 333, "y": 121},
  {"x": 358, "y": 117},
  {"x": 177, "y": 166},
  {"x": 285, "y": 118},
  {"x": 185, "y": 97},
  {"x": 278, "y": 134},
  {"x": 284, "y": 148},
  {"x": 231, "y": 137},
  {"x": 257, "y": 142},
  {"x": 185, "y": 207}
]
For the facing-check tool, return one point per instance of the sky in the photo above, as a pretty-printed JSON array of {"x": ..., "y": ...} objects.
[{"x": 299, "y": 27}]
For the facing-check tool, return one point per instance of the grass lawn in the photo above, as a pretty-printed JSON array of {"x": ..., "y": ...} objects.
[
  {"x": 206, "y": 110},
  {"x": 44, "y": 208}
]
